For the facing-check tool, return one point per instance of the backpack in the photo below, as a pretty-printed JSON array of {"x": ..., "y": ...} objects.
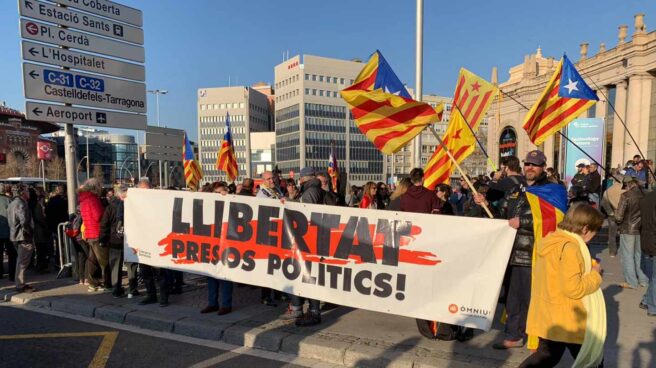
[
  {"x": 74, "y": 227},
  {"x": 435, "y": 330}
]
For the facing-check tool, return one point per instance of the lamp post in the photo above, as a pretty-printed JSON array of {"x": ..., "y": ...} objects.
[
  {"x": 79, "y": 164},
  {"x": 120, "y": 172},
  {"x": 158, "y": 92},
  {"x": 148, "y": 168},
  {"x": 172, "y": 168}
]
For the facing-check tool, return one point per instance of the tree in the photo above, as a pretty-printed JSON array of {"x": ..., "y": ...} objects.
[
  {"x": 33, "y": 167},
  {"x": 56, "y": 169}
]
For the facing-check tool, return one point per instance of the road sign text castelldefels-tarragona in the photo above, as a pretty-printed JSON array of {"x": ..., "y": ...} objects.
[
  {"x": 56, "y": 85},
  {"x": 73, "y": 26}
]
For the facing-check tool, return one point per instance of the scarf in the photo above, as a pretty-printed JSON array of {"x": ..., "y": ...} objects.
[{"x": 592, "y": 350}]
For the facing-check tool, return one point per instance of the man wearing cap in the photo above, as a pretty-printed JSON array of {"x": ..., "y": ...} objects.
[
  {"x": 311, "y": 192},
  {"x": 629, "y": 218},
  {"x": 515, "y": 207},
  {"x": 581, "y": 177}
]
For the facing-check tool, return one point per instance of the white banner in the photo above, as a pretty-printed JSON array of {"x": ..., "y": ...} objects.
[{"x": 433, "y": 267}]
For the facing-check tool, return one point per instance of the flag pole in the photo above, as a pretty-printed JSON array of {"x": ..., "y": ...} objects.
[
  {"x": 460, "y": 170},
  {"x": 419, "y": 58},
  {"x": 620, "y": 119},
  {"x": 480, "y": 145},
  {"x": 566, "y": 138}
]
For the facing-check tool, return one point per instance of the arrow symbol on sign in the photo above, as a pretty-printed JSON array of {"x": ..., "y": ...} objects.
[
  {"x": 36, "y": 111},
  {"x": 33, "y": 74},
  {"x": 29, "y": 5},
  {"x": 33, "y": 51}
]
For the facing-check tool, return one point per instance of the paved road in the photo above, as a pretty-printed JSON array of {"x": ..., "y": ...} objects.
[{"x": 30, "y": 339}]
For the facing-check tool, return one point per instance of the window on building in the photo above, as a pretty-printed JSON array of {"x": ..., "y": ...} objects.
[
  {"x": 241, "y": 105},
  {"x": 341, "y": 80},
  {"x": 202, "y": 107},
  {"x": 314, "y": 92},
  {"x": 321, "y": 78},
  {"x": 314, "y": 77},
  {"x": 320, "y": 92}
]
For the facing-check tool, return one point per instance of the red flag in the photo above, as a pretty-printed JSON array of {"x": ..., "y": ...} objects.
[{"x": 44, "y": 150}]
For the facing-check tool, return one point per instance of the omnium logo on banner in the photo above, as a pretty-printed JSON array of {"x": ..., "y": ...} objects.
[{"x": 414, "y": 265}]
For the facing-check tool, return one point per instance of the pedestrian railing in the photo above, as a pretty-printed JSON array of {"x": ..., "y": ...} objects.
[{"x": 64, "y": 248}]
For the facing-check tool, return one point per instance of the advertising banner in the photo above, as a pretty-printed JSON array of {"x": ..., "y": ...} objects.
[
  {"x": 433, "y": 267},
  {"x": 587, "y": 133}
]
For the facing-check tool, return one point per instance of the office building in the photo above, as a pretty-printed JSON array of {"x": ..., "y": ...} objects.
[
  {"x": 249, "y": 112},
  {"x": 310, "y": 115}
]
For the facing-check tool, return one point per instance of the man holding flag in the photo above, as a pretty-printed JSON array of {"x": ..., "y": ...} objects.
[{"x": 516, "y": 206}]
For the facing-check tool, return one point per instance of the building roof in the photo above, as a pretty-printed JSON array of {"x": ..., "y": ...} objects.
[{"x": 43, "y": 126}]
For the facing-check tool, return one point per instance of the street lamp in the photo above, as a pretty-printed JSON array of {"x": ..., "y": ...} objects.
[
  {"x": 120, "y": 172},
  {"x": 172, "y": 168},
  {"x": 79, "y": 164},
  {"x": 158, "y": 92}
]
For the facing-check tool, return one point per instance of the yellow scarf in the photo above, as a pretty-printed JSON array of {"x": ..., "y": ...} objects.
[{"x": 592, "y": 350}]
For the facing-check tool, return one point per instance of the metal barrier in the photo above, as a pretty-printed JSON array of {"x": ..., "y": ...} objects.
[{"x": 64, "y": 247}]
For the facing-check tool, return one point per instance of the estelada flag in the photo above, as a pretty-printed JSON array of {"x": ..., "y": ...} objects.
[
  {"x": 473, "y": 97},
  {"x": 460, "y": 141},
  {"x": 565, "y": 97},
  {"x": 192, "y": 171},
  {"x": 548, "y": 207},
  {"x": 383, "y": 109},
  {"x": 226, "y": 159}
]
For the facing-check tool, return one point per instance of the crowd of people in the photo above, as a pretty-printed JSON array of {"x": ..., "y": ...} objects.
[{"x": 543, "y": 289}]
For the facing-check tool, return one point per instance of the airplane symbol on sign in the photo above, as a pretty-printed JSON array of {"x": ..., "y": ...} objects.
[{"x": 101, "y": 118}]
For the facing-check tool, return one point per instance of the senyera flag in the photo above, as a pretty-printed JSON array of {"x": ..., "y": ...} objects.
[
  {"x": 383, "y": 109},
  {"x": 565, "y": 97},
  {"x": 333, "y": 169}
]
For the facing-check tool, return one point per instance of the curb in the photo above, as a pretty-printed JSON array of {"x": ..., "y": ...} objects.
[{"x": 274, "y": 336}]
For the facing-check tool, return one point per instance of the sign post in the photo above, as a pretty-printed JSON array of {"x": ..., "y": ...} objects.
[{"x": 99, "y": 99}]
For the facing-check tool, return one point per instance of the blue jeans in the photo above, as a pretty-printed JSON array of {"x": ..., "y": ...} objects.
[
  {"x": 630, "y": 254},
  {"x": 649, "y": 266},
  {"x": 213, "y": 286}
]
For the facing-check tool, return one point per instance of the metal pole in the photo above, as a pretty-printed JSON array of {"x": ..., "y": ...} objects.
[
  {"x": 419, "y": 74},
  {"x": 70, "y": 155},
  {"x": 88, "y": 165},
  {"x": 43, "y": 170},
  {"x": 166, "y": 174},
  {"x": 160, "y": 161}
]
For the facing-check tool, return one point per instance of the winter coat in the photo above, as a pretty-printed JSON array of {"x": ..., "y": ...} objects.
[
  {"x": 92, "y": 211},
  {"x": 111, "y": 225},
  {"x": 419, "y": 199},
  {"x": 556, "y": 311},
  {"x": 611, "y": 199},
  {"x": 21, "y": 225},
  {"x": 594, "y": 183},
  {"x": 41, "y": 230},
  {"x": 56, "y": 212},
  {"x": 648, "y": 222},
  {"x": 627, "y": 214},
  {"x": 311, "y": 192},
  {"x": 515, "y": 204},
  {"x": 4, "y": 223}
]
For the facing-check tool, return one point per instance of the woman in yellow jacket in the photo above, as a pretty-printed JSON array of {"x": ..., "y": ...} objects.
[{"x": 557, "y": 313}]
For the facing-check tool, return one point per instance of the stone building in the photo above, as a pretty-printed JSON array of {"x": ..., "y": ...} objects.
[{"x": 624, "y": 76}]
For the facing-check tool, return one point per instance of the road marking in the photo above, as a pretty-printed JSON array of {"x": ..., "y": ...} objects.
[{"x": 102, "y": 354}]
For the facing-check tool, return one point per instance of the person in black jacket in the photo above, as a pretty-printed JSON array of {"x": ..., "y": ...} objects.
[
  {"x": 515, "y": 207},
  {"x": 111, "y": 236},
  {"x": 648, "y": 245}
]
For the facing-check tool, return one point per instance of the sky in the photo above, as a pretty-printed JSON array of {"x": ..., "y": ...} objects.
[{"x": 194, "y": 44}]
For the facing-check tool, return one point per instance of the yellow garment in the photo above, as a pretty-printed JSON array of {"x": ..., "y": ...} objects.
[
  {"x": 557, "y": 311},
  {"x": 592, "y": 351}
]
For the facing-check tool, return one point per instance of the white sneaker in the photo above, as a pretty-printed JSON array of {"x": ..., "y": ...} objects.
[
  {"x": 92, "y": 289},
  {"x": 130, "y": 296}
]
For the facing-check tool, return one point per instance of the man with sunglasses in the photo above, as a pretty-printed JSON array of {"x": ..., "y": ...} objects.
[{"x": 515, "y": 207}]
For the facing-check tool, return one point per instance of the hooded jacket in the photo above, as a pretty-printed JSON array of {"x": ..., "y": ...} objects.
[
  {"x": 419, "y": 199},
  {"x": 92, "y": 210},
  {"x": 559, "y": 283}
]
